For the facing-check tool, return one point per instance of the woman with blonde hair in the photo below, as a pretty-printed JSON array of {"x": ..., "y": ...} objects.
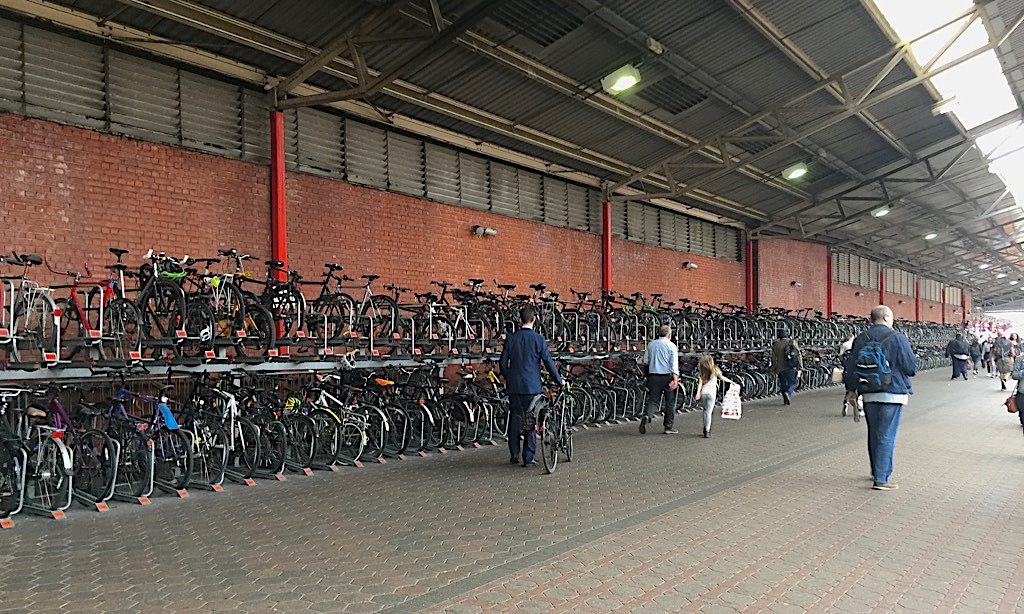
[{"x": 707, "y": 388}]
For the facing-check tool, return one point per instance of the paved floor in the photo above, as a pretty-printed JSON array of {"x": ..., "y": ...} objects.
[{"x": 774, "y": 513}]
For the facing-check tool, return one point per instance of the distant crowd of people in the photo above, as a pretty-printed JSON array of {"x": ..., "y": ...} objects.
[{"x": 992, "y": 354}]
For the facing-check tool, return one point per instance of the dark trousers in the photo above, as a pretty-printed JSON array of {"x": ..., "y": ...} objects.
[
  {"x": 518, "y": 427},
  {"x": 787, "y": 380},
  {"x": 660, "y": 396},
  {"x": 959, "y": 368}
]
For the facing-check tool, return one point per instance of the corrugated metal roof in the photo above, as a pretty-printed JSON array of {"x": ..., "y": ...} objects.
[{"x": 718, "y": 65}]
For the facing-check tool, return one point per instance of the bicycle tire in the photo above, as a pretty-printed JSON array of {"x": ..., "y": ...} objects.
[
  {"x": 328, "y": 436},
  {"x": 228, "y": 307},
  {"x": 71, "y": 329},
  {"x": 353, "y": 440},
  {"x": 567, "y": 442},
  {"x": 49, "y": 480},
  {"x": 379, "y": 317},
  {"x": 260, "y": 331},
  {"x": 134, "y": 465},
  {"x": 209, "y": 453},
  {"x": 162, "y": 306},
  {"x": 95, "y": 464},
  {"x": 301, "y": 440},
  {"x": 11, "y": 470},
  {"x": 122, "y": 330},
  {"x": 273, "y": 447},
  {"x": 35, "y": 330},
  {"x": 548, "y": 442},
  {"x": 199, "y": 329},
  {"x": 173, "y": 458},
  {"x": 244, "y": 445},
  {"x": 377, "y": 428}
]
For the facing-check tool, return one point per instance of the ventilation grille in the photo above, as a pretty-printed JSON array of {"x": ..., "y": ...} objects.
[
  {"x": 672, "y": 95},
  {"x": 541, "y": 21}
]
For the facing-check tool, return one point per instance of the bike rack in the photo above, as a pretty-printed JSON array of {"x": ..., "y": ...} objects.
[
  {"x": 66, "y": 496},
  {"x": 7, "y": 523},
  {"x": 100, "y": 504},
  {"x": 142, "y": 499}
]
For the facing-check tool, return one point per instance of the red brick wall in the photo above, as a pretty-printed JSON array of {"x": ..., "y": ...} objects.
[
  {"x": 846, "y": 302},
  {"x": 783, "y": 261},
  {"x": 69, "y": 194}
]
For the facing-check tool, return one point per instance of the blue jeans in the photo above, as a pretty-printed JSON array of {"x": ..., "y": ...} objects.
[
  {"x": 517, "y": 406},
  {"x": 883, "y": 419},
  {"x": 787, "y": 380}
]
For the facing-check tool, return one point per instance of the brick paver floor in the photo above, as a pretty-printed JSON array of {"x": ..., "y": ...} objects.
[{"x": 774, "y": 513}]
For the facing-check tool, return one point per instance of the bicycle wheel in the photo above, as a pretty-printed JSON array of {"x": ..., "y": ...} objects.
[
  {"x": 301, "y": 440},
  {"x": 135, "y": 463},
  {"x": 72, "y": 330},
  {"x": 328, "y": 437},
  {"x": 228, "y": 306},
  {"x": 209, "y": 453},
  {"x": 10, "y": 478},
  {"x": 329, "y": 318},
  {"x": 567, "y": 441},
  {"x": 244, "y": 447},
  {"x": 163, "y": 311},
  {"x": 199, "y": 327},
  {"x": 273, "y": 447},
  {"x": 35, "y": 329},
  {"x": 48, "y": 482},
  {"x": 287, "y": 305},
  {"x": 352, "y": 440},
  {"x": 548, "y": 444},
  {"x": 377, "y": 428},
  {"x": 379, "y": 317},
  {"x": 398, "y": 434},
  {"x": 260, "y": 331},
  {"x": 122, "y": 330},
  {"x": 95, "y": 464},
  {"x": 173, "y": 452}
]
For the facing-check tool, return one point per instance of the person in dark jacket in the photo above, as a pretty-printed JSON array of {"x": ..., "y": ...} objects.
[
  {"x": 1003, "y": 354},
  {"x": 958, "y": 351},
  {"x": 882, "y": 410},
  {"x": 975, "y": 352},
  {"x": 520, "y": 362},
  {"x": 788, "y": 374}
]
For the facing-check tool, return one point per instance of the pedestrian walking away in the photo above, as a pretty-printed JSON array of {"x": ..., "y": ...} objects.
[
  {"x": 958, "y": 351},
  {"x": 787, "y": 363},
  {"x": 975, "y": 352},
  {"x": 707, "y": 388},
  {"x": 879, "y": 371},
  {"x": 662, "y": 360},
  {"x": 521, "y": 358}
]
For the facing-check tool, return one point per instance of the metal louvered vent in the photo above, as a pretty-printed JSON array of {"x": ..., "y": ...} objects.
[
  {"x": 541, "y": 21},
  {"x": 671, "y": 94}
]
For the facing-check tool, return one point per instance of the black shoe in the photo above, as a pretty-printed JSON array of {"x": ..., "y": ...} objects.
[
  {"x": 532, "y": 463},
  {"x": 1003, "y": 384},
  {"x": 671, "y": 431},
  {"x": 707, "y": 434},
  {"x": 514, "y": 460},
  {"x": 965, "y": 377},
  {"x": 643, "y": 426},
  {"x": 785, "y": 399}
]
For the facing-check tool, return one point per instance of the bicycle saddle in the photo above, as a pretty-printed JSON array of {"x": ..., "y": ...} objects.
[
  {"x": 476, "y": 282},
  {"x": 370, "y": 278},
  {"x": 30, "y": 259},
  {"x": 117, "y": 251},
  {"x": 538, "y": 287},
  {"x": 89, "y": 410},
  {"x": 36, "y": 410},
  {"x": 333, "y": 267},
  {"x": 507, "y": 286}
]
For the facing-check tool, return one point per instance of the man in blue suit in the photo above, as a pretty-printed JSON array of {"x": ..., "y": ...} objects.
[{"x": 520, "y": 361}]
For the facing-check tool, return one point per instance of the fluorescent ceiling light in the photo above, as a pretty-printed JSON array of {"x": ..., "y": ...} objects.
[
  {"x": 881, "y": 211},
  {"x": 984, "y": 265},
  {"x": 621, "y": 80},
  {"x": 1001, "y": 275},
  {"x": 796, "y": 171},
  {"x": 1013, "y": 282},
  {"x": 930, "y": 236}
]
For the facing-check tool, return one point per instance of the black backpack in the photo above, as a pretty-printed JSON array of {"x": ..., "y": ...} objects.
[
  {"x": 791, "y": 355},
  {"x": 871, "y": 366}
]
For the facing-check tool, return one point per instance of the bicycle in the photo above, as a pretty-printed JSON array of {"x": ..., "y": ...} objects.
[
  {"x": 554, "y": 427},
  {"x": 29, "y": 319}
]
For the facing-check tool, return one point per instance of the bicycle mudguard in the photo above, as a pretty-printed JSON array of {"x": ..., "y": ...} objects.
[{"x": 169, "y": 420}]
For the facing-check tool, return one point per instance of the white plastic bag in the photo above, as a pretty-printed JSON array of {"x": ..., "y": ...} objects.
[{"x": 732, "y": 406}]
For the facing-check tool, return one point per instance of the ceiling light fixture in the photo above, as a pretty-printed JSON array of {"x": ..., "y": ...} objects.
[
  {"x": 796, "y": 171},
  {"x": 984, "y": 265},
  {"x": 621, "y": 79},
  {"x": 881, "y": 211},
  {"x": 930, "y": 236},
  {"x": 1013, "y": 282},
  {"x": 1001, "y": 275},
  {"x": 689, "y": 265}
]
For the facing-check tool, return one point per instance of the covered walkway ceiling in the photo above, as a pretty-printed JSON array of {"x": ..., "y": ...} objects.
[{"x": 732, "y": 93}]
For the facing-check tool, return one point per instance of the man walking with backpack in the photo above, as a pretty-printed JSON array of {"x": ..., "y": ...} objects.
[
  {"x": 787, "y": 362},
  {"x": 879, "y": 369}
]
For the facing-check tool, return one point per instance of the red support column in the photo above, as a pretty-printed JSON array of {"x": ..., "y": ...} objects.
[
  {"x": 881, "y": 286},
  {"x": 943, "y": 298},
  {"x": 606, "y": 246},
  {"x": 278, "y": 212},
  {"x": 917, "y": 300},
  {"x": 828, "y": 287},
  {"x": 750, "y": 271},
  {"x": 963, "y": 306}
]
